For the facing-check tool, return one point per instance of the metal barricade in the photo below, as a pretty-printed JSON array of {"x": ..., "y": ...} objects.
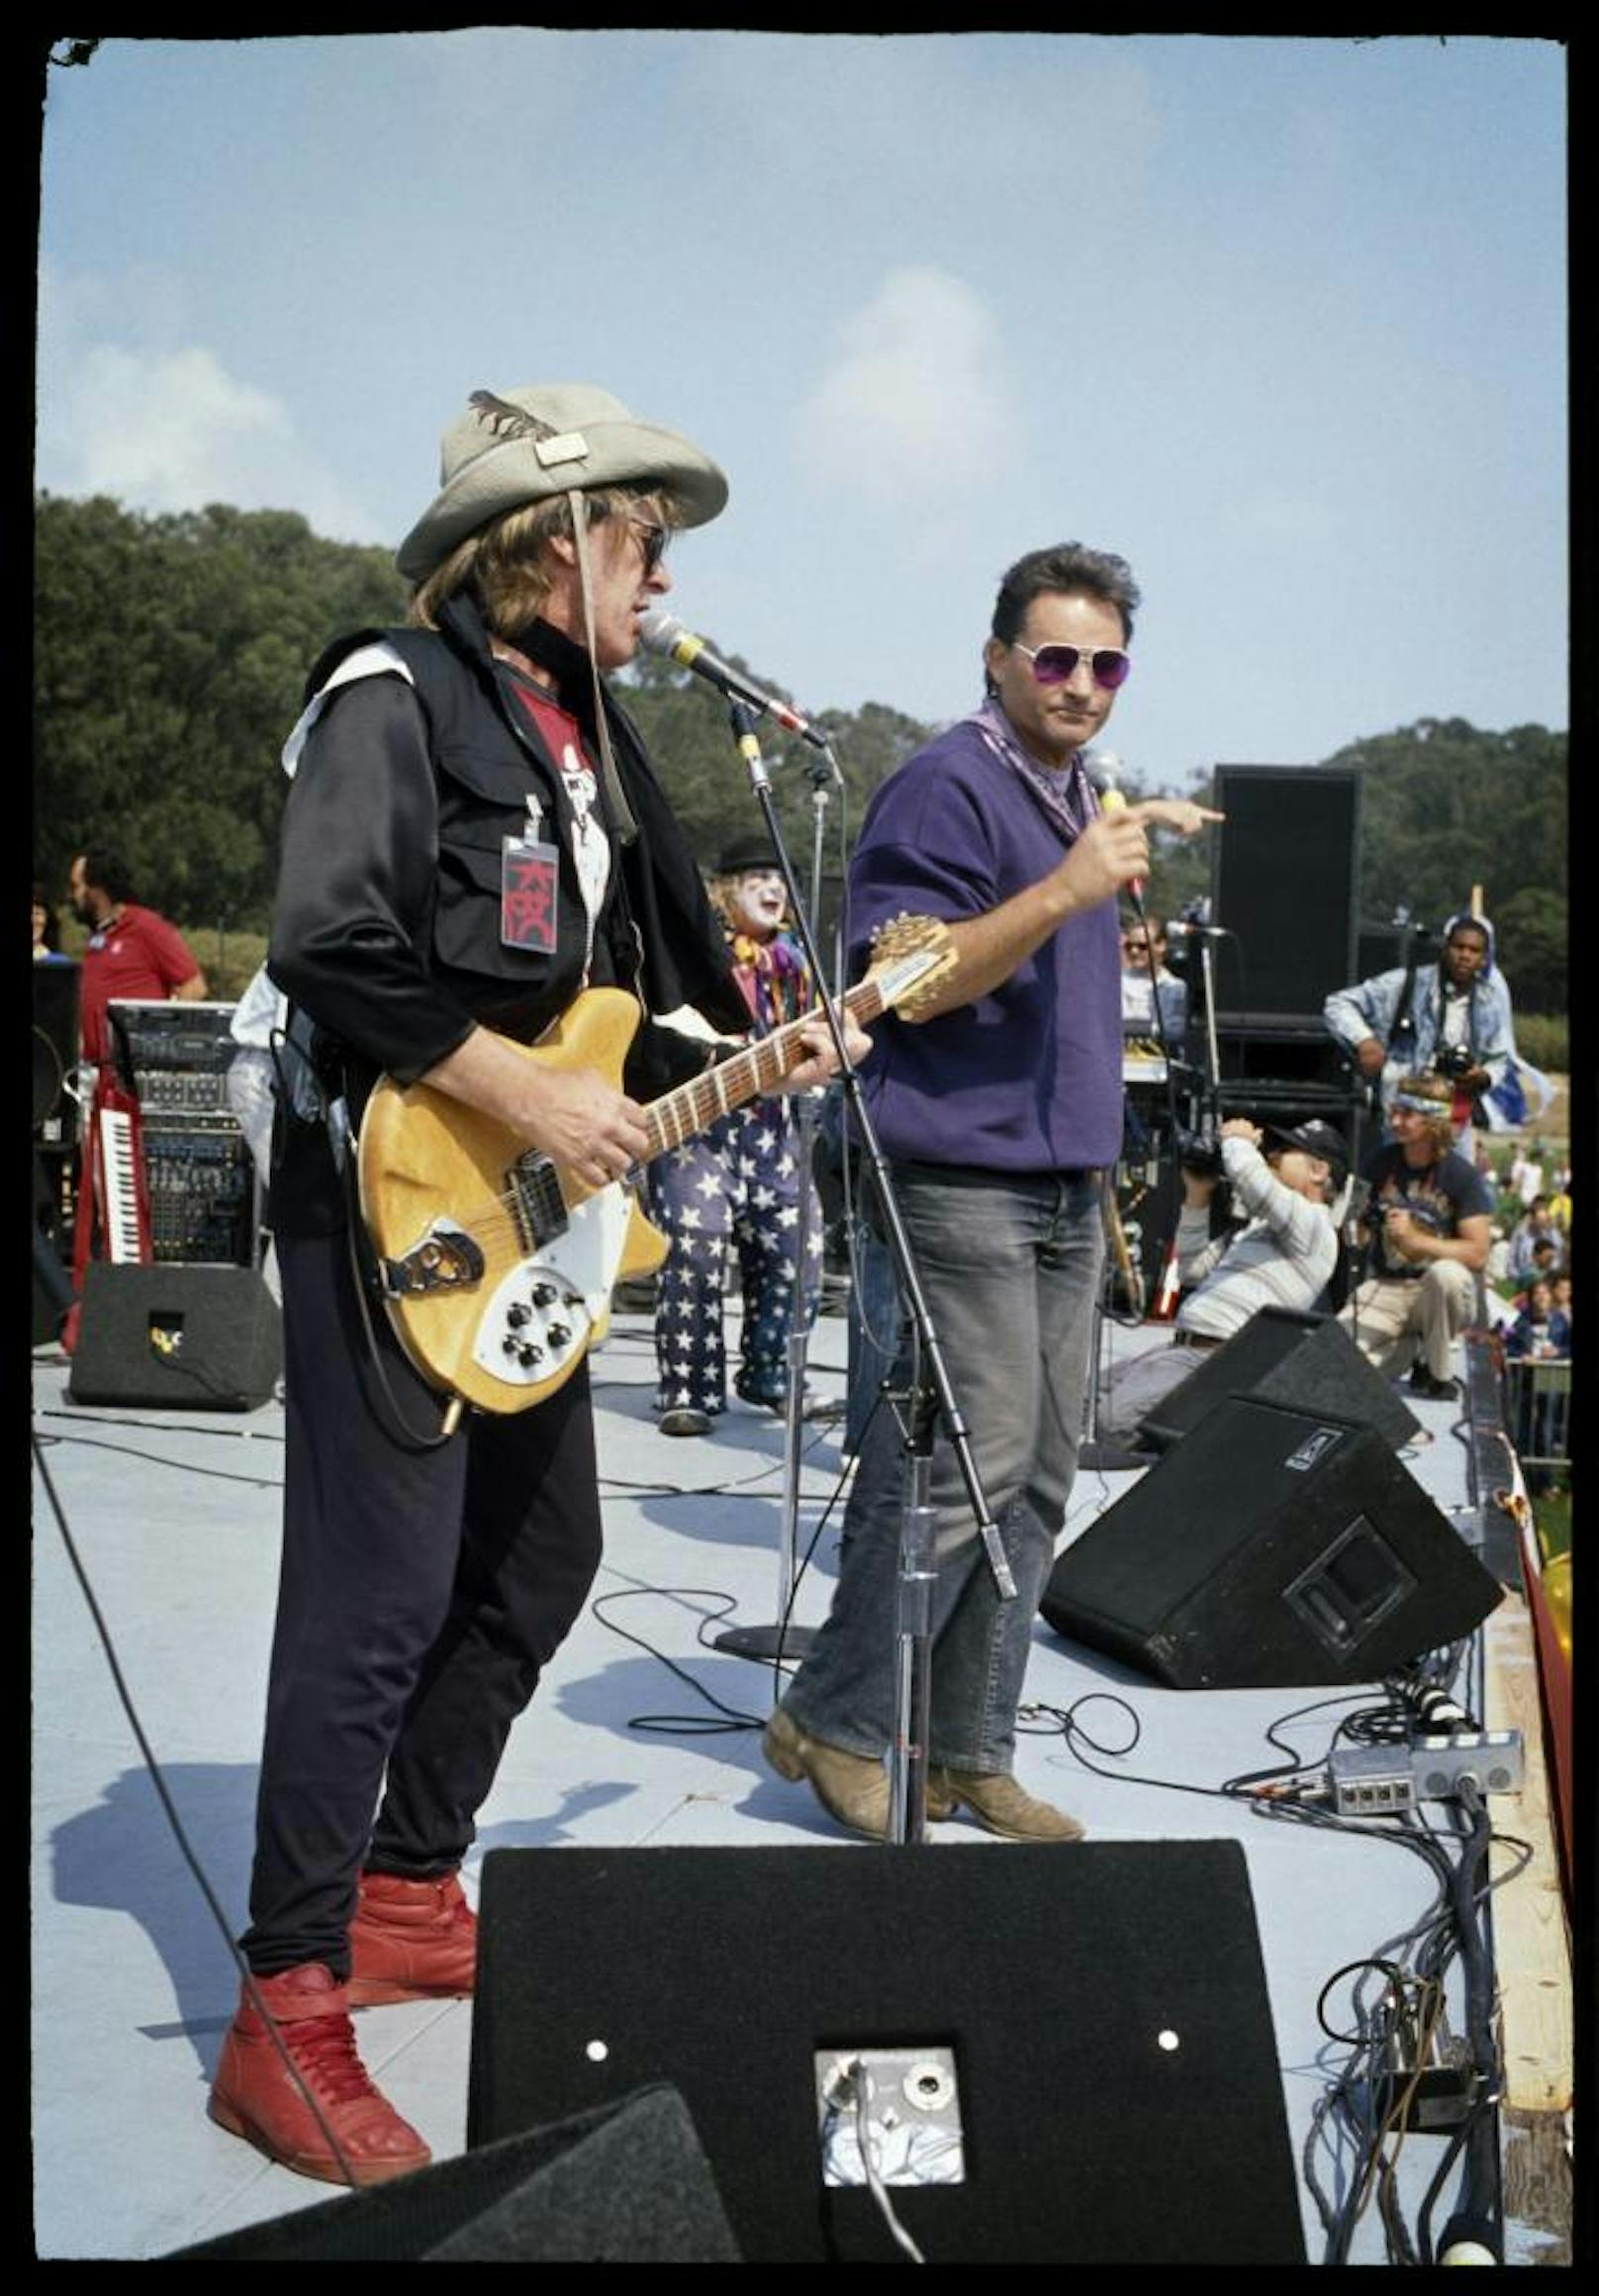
[{"x": 1537, "y": 1410}]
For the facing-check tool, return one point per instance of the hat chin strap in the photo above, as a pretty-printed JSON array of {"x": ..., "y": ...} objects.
[{"x": 622, "y": 812}]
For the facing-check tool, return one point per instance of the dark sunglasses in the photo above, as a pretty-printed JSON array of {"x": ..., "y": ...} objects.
[
  {"x": 654, "y": 538},
  {"x": 1054, "y": 665}
]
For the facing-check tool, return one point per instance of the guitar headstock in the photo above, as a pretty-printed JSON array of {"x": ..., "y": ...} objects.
[{"x": 908, "y": 956}]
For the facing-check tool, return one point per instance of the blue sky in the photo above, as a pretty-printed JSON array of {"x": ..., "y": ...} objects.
[{"x": 1283, "y": 320}]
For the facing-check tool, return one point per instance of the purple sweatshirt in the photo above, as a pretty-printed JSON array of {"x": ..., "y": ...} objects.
[{"x": 1027, "y": 1079}]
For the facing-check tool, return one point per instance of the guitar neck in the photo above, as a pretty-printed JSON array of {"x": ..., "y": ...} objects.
[{"x": 761, "y": 1067}]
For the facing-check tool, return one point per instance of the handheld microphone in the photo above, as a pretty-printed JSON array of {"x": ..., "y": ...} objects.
[
  {"x": 663, "y": 633},
  {"x": 1103, "y": 768}
]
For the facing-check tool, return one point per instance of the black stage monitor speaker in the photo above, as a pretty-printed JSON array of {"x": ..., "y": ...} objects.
[
  {"x": 1271, "y": 1547},
  {"x": 199, "y": 1338},
  {"x": 1285, "y": 886},
  {"x": 55, "y": 1048},
  {"x": 1306, "y": 1361},
  {"x": 1082, "y": 2041},
  {"x": 626, "y": 2184}
]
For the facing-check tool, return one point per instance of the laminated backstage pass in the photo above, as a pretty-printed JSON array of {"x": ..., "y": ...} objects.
[{"x": 530, "y": 878}]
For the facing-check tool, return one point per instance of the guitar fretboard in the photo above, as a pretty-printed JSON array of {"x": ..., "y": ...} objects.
[{"x": 761, "y": 1067}]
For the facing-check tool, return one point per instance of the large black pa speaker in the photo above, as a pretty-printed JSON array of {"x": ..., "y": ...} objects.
[
  {"x": 1286, "y": 888},
  {"x": 1084, "y": 2036},
  {"x": 1306, "y": 1361},
  {"x": 197, "y": 1338},
  {"x": 55, "y": 1049},
  {"x": 1271, "y": 1547},
  {"x": 625, "y": 2184}
]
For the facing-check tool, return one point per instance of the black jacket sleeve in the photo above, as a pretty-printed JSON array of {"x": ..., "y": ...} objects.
[{"x": 356, "y": 883}]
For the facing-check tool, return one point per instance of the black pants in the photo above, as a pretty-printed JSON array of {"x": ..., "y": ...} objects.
[{"x": 422, "y": 1593}]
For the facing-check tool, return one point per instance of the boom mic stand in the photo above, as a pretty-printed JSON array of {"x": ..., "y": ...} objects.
[
  {"x": 784, "y": 1640},
  {"x": 929, "y": 1402}
]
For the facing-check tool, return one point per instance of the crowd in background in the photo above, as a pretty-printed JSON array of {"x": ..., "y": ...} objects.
[{"x": 1529, "y": 1269}]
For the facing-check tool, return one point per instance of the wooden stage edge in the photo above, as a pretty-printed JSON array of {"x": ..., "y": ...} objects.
[{"x": 1533, "y": 1960}]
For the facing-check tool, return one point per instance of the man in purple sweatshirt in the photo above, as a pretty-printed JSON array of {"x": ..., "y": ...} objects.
[{"x": 999, "y": 1110}]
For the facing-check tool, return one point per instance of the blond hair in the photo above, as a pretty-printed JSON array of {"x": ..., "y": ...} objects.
[
  {"x": 1429, "y": 1085},
  {"x": 507, "y": 562}
]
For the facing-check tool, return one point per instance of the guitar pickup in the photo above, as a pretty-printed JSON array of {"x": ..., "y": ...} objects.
[
  {"x": 536, "y": 1200},
  {"x": 447, "y": 1259}
]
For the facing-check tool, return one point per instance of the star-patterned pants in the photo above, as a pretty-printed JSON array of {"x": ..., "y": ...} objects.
[{"x": 737, "y": 1184}]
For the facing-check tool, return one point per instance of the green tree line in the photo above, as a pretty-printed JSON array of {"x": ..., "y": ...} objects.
[{"x": 170, "y": 654}]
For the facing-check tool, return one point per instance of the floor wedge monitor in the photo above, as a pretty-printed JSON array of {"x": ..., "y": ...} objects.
[
  {"x": 1306, "y": 1361},
  {"x": 1271, "y": 1547},
  {"x": 1065, "y": 2056},
  {"x": 625, "y": 2184}
]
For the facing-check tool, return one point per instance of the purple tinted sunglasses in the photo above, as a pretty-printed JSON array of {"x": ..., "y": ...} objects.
[{"x": 1054, "y": 665}]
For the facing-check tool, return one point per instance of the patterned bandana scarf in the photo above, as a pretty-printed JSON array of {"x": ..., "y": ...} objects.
[
  {"x": 1067, "y": 795},
  {"x": 771, "y": 975}
]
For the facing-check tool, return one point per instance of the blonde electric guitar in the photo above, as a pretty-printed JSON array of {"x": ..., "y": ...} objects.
[{"x": 496, "y": 1265}]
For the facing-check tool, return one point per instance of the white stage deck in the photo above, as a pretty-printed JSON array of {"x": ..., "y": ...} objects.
[{"x": 175, "y": 1518}]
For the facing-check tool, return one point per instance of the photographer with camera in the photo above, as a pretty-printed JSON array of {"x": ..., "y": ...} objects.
[
  {"x": 1429, "y": 1231},
  {"x": 1280, "y": 1252},
  {"x": 1452, "y": 1019}
]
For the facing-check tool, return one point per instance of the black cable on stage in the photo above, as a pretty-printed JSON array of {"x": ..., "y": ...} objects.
[
  {"x": 688, "y": 1725},
  {"x": 155, "y": 1459},
  {"x": 1445, "y": 1930},
  {"x": 180, "y": 1834}
]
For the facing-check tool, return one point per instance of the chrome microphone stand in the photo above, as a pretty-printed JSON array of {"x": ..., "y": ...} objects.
[
  {"x": 784, "y": 1640},
  {"x": 931, "y": 1400}
]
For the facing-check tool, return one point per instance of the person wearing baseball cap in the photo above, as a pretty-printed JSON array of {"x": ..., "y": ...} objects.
[
  {"x": 474, "y": 835},
  {"x": 1280, "y": 1253}
]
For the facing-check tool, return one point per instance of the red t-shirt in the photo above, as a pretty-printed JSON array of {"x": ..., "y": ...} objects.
[{"x": 140, "y": 955}]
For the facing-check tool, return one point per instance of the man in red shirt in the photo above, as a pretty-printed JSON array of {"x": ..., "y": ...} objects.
[{"x": 131, "y": 952}]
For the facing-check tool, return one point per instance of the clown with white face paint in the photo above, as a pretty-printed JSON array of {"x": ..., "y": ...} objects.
[{"x": 737, "y": 1185}]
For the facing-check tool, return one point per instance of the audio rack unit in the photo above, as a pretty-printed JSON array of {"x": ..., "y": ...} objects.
[{"x": 203, "y": 1188}]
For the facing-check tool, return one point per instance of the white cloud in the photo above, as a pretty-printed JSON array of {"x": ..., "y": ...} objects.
[
  {"x": 173, "y": 429},
  {"x": 168, "y": 430},
  {"x": 918, "y": 406}
]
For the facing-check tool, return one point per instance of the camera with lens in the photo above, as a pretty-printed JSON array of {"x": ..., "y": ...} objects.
[
  {"x": 1453, "y": 1061},
  {"x": 1200, "y": 1152}
]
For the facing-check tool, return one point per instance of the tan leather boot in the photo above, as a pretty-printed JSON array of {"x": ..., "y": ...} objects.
[
  {"x": 850, "y": 1787},
  {"x": 997, "y": 1801}
]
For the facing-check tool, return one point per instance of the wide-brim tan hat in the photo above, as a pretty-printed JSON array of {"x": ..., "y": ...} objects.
[{"x": 547, "y": 438}]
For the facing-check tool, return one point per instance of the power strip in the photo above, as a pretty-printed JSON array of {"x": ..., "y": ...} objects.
[
  {"x": 1371, "y": 1781},
  {"x": 1492, "y": 1760},
  {"x": 1388, "y": 1781}
]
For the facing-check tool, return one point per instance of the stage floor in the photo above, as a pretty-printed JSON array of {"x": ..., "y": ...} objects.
[{"x": 174, "y": 1516}]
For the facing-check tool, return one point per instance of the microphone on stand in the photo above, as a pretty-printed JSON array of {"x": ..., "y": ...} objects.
[{"x": 664, "y": 634}]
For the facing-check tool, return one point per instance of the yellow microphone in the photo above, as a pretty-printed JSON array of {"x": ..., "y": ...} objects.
[{"x": 1113, "y": 800}]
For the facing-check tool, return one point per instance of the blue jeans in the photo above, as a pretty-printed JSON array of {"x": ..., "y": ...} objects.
[{"x": 1011, "y": 1268}]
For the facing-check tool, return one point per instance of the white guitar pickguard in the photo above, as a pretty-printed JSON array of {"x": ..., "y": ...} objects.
[{"x": 544, "y": 1311}]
